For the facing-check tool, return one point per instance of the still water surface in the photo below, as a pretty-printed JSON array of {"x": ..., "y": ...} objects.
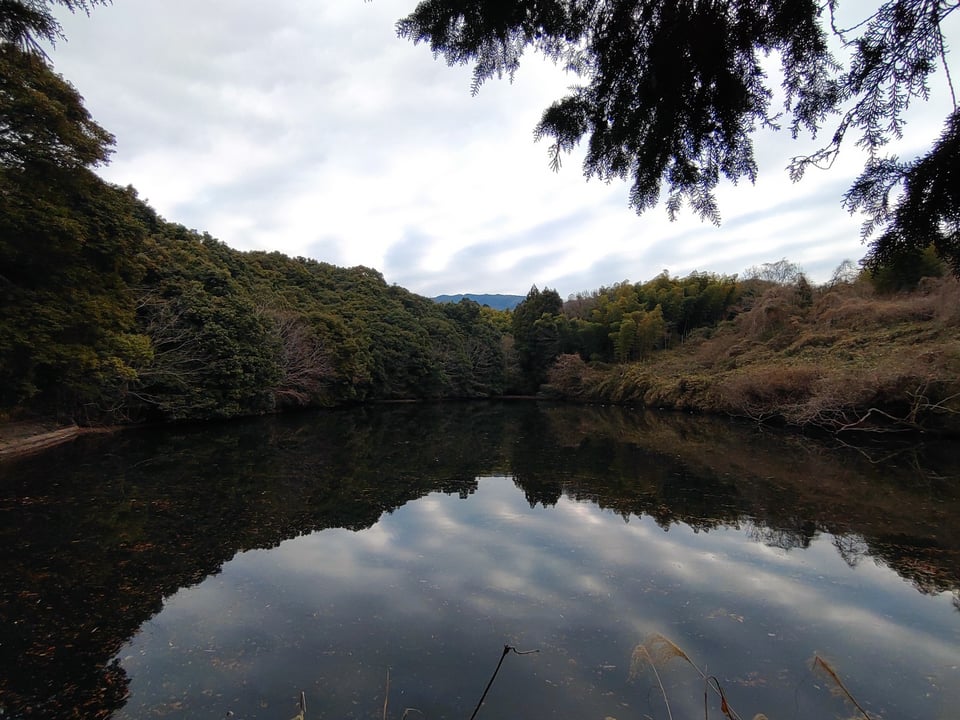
[{"x": 196, "y": 572}]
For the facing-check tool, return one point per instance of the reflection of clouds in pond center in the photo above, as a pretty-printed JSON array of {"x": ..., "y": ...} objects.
[{"x": 440, "y": 583}]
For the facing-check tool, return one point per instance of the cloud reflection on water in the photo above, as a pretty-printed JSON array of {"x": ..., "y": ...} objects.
[{"x": 437, "y": 586}]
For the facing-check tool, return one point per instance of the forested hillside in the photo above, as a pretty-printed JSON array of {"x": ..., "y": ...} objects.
[
  {"x": 619, "y": 324},
  {"x": 113, "y": 314}
]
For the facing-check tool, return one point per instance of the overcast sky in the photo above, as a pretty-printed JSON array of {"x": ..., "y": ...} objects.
[{"x": 308, "y": 127}]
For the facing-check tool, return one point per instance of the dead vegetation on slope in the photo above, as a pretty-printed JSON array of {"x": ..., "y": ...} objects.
[{"x": 841, "y": 358}]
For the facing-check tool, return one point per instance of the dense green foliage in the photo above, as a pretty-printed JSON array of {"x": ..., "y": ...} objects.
[
  {"x": 671, "y": 94},
  {"x": 68, "y": 243},
  {"x": 622, "y": 323},
  {"x": 182, "y": 326},
  {"x": 536, "y": 335},
  {"x": 929, "y": 215},
  {"x": 111, "y": 313}
]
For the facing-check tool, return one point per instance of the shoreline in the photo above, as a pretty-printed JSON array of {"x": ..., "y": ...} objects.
[{"x": 624, "y": 387}]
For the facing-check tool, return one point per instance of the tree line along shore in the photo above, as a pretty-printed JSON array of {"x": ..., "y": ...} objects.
[{"x": 113, "y": 315}]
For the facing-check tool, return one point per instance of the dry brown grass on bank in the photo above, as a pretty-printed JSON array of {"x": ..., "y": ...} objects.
[
  {"x": 936, "y": 299},
  {"x": 775, "y": 314},
  {"x": 760, "y": 390},
  {"x": 844, "y": 359},
  {"x": 838, "y": 400}
]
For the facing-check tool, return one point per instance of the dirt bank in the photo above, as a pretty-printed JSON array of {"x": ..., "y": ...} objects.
[{"x": 23, "y": 438}]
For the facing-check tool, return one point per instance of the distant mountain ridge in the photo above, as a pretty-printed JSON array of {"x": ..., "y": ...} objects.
[{"x": 497, "y": 302}]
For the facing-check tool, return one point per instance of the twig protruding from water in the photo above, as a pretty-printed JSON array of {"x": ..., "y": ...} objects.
[{"x": 506, "y": 650}]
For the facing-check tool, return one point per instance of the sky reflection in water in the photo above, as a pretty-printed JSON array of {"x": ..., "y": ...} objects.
[{"x": 435, "y": 589}]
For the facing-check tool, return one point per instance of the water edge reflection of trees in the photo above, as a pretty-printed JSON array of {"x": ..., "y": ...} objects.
[{"x": 89, "y": 553}]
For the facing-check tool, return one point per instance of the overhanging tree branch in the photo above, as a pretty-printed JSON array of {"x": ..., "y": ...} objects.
[
  {"x": 670, "y": 94},
  {"x": 25, "y": 23}
]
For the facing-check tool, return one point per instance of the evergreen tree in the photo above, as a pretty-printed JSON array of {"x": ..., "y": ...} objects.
[
  {"x": 672, "y": 92},
  {"x": 25, "y": 23},
  {"x": 536, "y": 335}
]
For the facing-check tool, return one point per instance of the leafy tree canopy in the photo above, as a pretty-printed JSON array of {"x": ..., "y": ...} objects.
[
  {"x": 43, "y": 121},
  {"x": 672, "y": 92}
]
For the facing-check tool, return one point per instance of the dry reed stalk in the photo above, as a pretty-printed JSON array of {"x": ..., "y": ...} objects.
[
  {"x": 386, "y": 695},
  {"x": 824, "y": 667},
  {"x": 666, "y": 701},
  {"x": 657, "y": 648},
  {"x": 302, "y": 705},
  {"x": 386, "y": 701}
]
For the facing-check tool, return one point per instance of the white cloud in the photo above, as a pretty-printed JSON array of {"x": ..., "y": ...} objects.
[{"x": 311, "y": 129}]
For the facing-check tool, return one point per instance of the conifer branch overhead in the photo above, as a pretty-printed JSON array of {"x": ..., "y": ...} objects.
[
  {"x": 669, "y": 95},
  {"x": 27, "y": 23}
]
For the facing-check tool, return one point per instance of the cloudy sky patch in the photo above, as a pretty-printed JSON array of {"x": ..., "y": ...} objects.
[{"x": 311, "y": 129}]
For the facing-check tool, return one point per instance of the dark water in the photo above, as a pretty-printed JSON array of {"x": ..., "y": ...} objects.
[{"x": 206, "y": 570}]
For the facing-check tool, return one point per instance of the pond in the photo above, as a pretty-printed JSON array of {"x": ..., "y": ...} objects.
[{"x": 379, "y": 560}]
